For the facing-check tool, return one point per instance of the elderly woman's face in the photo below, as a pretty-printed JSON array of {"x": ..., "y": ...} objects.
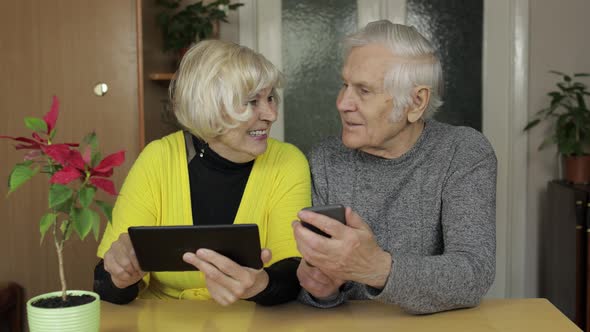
[{"x": 249, "y": 139}]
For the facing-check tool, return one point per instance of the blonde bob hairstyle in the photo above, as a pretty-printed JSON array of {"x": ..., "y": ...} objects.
[
  {"x": 214, "y": 83},
  {"x": 419, "y": 63}
]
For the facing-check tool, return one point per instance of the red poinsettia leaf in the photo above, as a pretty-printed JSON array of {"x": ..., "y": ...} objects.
[
  {"x": 106, "y": 174},
  {"x": 111, "y": 161},
  {"x": 104, "y": 184},
  {"x": 75, "y": 159},
  {"x": 75, "y": 145},
  {"x": 51, "y": 116},
  {"x": 58, "y": 152},
  {"x": 21, "y": 139},
  {"x": 87, "y": 154},
  {"x": 38, "y": 138},
  {"x": 65, "y": 176}
]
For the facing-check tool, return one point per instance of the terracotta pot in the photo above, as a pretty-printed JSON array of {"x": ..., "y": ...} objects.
[{"x": 577, "y": 169}]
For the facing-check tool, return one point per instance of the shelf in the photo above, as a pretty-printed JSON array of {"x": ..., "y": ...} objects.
[{"x": 161, "y": 76}]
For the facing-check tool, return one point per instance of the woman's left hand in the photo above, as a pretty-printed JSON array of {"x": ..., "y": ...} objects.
[{"x": 227, "y": 281}]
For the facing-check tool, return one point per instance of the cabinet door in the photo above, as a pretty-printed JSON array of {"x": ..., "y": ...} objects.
[
  {"x": 562, "y": 250},
  {"x": 63, "y": 48}
]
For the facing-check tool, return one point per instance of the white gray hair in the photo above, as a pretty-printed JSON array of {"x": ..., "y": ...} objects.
[{"x": 420, "y": 64}]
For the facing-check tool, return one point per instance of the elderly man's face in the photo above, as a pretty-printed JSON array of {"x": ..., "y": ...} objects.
[{"x": 365, "y": 107}]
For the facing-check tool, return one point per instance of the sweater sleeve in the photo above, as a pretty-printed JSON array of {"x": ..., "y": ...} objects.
[
  {"x": 320, "y": 196},
  {"x": 464, "y": 272}
]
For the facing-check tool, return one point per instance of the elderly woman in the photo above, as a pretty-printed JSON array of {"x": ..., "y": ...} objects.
[{"x": 222, "y": 169}]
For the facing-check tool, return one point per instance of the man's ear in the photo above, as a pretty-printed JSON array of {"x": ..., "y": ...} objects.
[{"x": 420, "y": 99}]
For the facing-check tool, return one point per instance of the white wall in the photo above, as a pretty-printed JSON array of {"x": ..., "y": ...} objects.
[{"x": 558, "y": 40}]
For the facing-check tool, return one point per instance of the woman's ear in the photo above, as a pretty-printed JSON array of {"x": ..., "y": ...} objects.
[{"x": 420, "y": 100}]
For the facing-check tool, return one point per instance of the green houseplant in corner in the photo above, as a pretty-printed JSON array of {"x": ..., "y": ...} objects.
[
  {"x": 76, "y": 172},
  {"x": 570, "y": 115},
  {"x": 183, "y": 26}
]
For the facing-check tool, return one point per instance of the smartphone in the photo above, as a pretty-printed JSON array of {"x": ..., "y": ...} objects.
[{"x": 335, "y": 211}]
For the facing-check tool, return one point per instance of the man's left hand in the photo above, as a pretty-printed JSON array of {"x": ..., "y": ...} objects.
[{"x": 351, "y": 254}]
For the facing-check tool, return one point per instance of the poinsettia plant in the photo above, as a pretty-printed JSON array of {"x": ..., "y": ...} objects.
[{"x": 76, "y": 171}]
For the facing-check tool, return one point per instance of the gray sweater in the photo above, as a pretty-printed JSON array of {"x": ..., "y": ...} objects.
[{"x": 433, "y": 209}]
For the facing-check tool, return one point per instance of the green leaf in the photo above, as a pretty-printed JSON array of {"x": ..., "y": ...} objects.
[
  {"x": 21, "y": 173},
  {"x": 546, "y": 142},
  {"x": 66, "y": 228},
  {"x": 59, "y": 194},
  {"x": 531, "y": 124},
  {"x": 96, "y": 158},
  {"x": 83, "y": 220},
  {"x": 52, "y": 133},
  {"x": 92, "y": 140},
  {"x": 65, "y": 207},
  {"x": 557, "y": 72},
  {"x": 106, "y": 209},
  {"x": 86, "y": 196},
  {"x": 36, "y": 124},
  {"x": 581, "y": 75},
  {"x": 96, "y": 228},
  {"x": 46, "y": 221},
  {"x": 235, "y": 6}
]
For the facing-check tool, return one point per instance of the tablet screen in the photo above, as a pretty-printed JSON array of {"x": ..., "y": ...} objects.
[{"x": 160, "y": 248}]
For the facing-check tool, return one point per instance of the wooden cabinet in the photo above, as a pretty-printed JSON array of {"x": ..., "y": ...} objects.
[{"x": 564, "y": 247}]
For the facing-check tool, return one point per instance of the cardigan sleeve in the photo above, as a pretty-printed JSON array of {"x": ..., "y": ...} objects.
[
  {"x": 291, "y": 193},
  {"x": 137, "y": 202}
]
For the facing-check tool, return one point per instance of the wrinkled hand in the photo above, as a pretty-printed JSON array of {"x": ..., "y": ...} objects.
[
  {"x": 227, "y": 281},
  {"x": 351, "y": 254},
  {"x": 316, "y": 282},
  {"x": 121, "y": 263}
]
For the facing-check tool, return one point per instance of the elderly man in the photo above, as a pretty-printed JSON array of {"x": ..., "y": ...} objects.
[{"x": 420, "y": 194}]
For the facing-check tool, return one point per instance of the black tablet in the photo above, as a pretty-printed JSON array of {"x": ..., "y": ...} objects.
[{"x": 160, "y": 248}]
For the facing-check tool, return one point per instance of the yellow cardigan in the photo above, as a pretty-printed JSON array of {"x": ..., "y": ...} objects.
[{"x": 156, "y": 192}]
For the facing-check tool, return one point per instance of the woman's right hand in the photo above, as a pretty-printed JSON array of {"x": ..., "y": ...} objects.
[{"x": 120, "y": 262}]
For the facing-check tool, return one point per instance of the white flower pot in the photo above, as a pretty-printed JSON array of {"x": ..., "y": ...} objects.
[{"x": 81, "y": 318}]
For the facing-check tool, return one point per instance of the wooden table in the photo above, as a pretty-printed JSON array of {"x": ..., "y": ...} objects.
[{"x": 366, "y": 316}]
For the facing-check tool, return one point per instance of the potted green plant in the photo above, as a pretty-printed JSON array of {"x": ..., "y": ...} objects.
[
  {"x": 569, "y": 113},
  {"x": 76, "y": 172},
  {"x": 183, "y": 26}
]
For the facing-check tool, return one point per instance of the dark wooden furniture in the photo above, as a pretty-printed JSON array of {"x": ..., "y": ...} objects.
[
  {"x": 11, "y": 307},
  {"x": 564, "y": 251}
]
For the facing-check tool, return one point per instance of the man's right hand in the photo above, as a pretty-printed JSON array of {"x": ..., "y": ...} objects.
[
  {"x": 121, "y": 263},
  {"x": 318, "y": 284}
]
